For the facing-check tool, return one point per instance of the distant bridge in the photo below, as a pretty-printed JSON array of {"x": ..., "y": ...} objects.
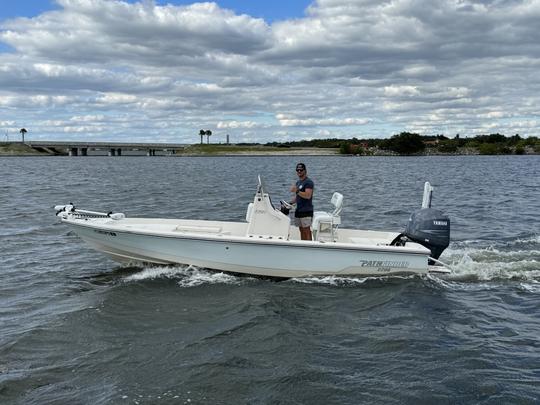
[{"x": 111, "y": 148}]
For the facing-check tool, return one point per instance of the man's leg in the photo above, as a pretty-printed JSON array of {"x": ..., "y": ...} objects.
[{"x": 305, "y": 233}]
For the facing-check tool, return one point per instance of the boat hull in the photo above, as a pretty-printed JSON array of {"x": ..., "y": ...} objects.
[{"x": 251, "y": 256}]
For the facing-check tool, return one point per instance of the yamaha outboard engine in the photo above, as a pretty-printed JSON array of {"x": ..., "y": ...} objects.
[{"x": 428, "y": 227}]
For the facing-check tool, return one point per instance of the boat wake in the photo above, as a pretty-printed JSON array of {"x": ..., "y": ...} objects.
[
  {"x": 187, "y": 276},
  {"x": 477, "y": 260},
  {"x": 351, "y": 281}
]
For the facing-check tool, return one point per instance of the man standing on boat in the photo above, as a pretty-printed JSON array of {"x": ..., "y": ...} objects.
[{"x": 303, "y": 190}]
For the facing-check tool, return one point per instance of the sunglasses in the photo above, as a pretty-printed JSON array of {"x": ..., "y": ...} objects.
[{"x": 299, "y": 170}]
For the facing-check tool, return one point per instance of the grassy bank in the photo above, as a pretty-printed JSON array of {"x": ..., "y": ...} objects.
[
  {"x": 235, "y": 150},
  {"x": 18, "y": 149}
]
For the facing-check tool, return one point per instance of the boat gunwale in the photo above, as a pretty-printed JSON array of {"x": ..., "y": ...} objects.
[{"x": 252, "y": 240}]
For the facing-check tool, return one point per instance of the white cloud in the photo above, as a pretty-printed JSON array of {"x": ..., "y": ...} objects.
[
  {"x": 314, "y": 122},
  {"x": 116, "y": 98},
  {"x": 392, "y": 91},
  {"x": 88, "y": 118},
  {"x": 83, "y": 129},
  {"x": 238, "y": 124},
  {"x": 348, "y": 68}
]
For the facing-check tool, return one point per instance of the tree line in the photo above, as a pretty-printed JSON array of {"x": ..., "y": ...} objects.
[{"x": 407, "y": 143}]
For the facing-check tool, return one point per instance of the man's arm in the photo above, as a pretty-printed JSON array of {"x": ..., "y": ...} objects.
[{"x": 307, "y": 193}]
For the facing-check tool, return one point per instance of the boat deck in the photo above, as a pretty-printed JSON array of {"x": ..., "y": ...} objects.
[{"x": 238, "y": 229}]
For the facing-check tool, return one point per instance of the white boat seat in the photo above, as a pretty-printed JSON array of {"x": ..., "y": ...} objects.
[{"x": 324, "y": 225}]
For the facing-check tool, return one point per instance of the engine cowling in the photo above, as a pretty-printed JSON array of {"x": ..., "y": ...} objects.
[{"x": 430, "y": 228}]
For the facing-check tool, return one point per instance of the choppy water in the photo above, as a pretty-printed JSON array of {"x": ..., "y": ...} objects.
[{"x": 76, "y": 328}]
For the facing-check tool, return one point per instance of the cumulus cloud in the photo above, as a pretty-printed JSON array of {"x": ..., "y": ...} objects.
[
  {"x": 289, "y": 121},
  {"x": 94, "y": 68},
  {"x": 239, "y": 124}
]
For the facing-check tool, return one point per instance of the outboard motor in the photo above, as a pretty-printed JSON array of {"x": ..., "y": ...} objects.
[{"x": 428, "y": 227}]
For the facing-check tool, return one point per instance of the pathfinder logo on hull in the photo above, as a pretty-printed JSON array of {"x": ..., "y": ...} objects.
[{"x": 384, "y": 263}]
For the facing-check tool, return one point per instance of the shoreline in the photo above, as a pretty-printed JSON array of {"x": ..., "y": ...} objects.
[{"x": 18, "y": 149}]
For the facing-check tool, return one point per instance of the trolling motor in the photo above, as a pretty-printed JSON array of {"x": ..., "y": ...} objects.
[
  {"x": 64, "y": 210},
  {"x": 428, "y": 227}
]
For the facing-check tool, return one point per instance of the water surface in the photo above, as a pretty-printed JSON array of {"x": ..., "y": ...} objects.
[{"x": 76, "y": 327}]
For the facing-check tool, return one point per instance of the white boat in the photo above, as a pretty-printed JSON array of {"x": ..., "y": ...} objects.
[{"x": 266, "y": 244}]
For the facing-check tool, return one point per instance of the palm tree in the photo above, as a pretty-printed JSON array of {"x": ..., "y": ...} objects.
[
  {"x": 202, "y": 133},
  {"x": 208, "y": 135},
  {"x": 23, "y": 131}
]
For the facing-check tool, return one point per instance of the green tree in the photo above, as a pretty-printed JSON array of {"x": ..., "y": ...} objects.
[
  {"x": 491, "y": 138},
  {"x": 448, "y": 146},
  {"x": 344, "y": 148},
  {"x": 202, "y": 133},
  {"x": 514, "y": 140},
  {"x": 406, "y": 143},
  {"x": 488, "y": 149},
  {"x": 208, "y": 134}
]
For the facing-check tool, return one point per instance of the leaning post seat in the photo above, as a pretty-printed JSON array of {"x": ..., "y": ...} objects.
[{"x": 324, "y": 225}]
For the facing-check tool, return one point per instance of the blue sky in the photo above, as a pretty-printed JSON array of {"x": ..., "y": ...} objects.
[
  {"x": 112, "y": 70},
  {"x": 269, "y": 10},
  {"x": 24, "y": 8}
]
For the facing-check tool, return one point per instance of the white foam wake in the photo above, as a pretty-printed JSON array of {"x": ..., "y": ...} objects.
[
  {"x": 188, "y": 276},
  {"x": 347, "y": 281},
  {"x": 517, "y": 259}
]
